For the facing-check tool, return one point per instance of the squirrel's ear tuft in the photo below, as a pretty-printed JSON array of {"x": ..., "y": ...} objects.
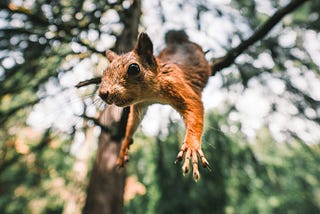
[
  {"x": 111, "y": 55},
  {"x": 144, "y": 48}
]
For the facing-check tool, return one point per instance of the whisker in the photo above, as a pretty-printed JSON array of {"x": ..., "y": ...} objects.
[
  {"x": 101, "y": 105},
  {"x": 210, "y": 145},
  {"x": 216, "y": 129},
  {"x": 97, "y": 101}
]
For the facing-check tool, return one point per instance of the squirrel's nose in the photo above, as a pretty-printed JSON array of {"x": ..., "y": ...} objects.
[{"x": 104, "y": 94}]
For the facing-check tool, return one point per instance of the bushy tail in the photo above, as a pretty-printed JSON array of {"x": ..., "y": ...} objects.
[{"x": 176, "y": 37}]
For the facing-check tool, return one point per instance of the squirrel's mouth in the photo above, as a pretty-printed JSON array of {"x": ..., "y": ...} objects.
[
  {"x": 116, "y": 99},
  {"x": 123, "y": 102},
  {"x": 119, "y": 102}
]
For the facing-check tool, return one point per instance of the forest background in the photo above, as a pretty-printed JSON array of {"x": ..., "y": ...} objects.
[{"x": 58, "y": 143}]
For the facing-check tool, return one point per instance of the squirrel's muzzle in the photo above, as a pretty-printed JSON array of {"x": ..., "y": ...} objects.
[{"x": 105, "y": 95}]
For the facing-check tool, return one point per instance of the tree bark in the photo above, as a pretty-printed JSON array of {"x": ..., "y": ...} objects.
[{"x": 106, "y": 186}]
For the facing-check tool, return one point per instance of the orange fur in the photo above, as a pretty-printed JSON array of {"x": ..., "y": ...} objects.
[{"x": 176, "y": 77}]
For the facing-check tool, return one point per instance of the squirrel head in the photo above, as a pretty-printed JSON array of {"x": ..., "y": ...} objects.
[{"x": 129, "y": 77}]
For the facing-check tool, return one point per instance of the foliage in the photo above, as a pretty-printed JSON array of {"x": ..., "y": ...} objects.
[{"x": 37, "y": 181}]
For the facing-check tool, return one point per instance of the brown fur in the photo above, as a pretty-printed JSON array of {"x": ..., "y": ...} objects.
[{"x": 176, "y": 77}]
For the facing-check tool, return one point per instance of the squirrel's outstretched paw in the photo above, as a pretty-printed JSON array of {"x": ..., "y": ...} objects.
[{"x": 192, "y": 154}]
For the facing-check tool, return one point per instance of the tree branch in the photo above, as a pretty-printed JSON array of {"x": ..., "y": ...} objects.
[
  {"x": 116, "y": 131},
  {"x": 96, "y": 122},
  {"x": 5, "y": 115},
  {"x": 25, "y": 11},
  {"x": 313, "y": 103},
  {"x": 261, "y": 32}
]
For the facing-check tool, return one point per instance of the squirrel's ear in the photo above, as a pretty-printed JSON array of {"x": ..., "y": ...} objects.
[
  {"x": 144, "y": 48},
  {"x": 111, "y": 55}
]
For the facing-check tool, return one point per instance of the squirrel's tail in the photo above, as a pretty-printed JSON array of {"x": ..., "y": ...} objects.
[{"x": 176, "y": 37}]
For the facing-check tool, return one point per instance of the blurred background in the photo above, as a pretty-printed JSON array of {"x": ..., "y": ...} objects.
[{"x": 58, "y": 143}]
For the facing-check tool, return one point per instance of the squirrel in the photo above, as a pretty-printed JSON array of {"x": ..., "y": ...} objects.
[{"x": 175, "y": 77}]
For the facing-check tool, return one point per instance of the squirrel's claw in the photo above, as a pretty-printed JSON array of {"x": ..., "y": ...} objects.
[
  {"x": 126, "y": 156},
  {"x": 180, "y": 154},
  {"x": 204, "y": 162}
]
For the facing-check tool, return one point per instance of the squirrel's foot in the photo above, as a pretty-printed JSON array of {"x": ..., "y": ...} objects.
[{"x": 193, "y": 154}]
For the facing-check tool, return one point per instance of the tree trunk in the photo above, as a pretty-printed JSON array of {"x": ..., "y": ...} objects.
[{"x": 106, "y": 186}]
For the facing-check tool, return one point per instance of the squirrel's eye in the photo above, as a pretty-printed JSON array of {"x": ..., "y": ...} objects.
[{"x": 133, "y": 69}]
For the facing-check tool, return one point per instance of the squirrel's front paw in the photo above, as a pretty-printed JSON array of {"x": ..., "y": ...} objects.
[
  {"x": 124, "y": 153},
  {"x": 123, "y": 158},
  {"x": 193, "y": 154},
  {"x": 120, "y": 162}
]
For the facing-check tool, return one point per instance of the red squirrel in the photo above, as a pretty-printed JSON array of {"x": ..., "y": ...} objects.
[{"x": 176, "y": 77}]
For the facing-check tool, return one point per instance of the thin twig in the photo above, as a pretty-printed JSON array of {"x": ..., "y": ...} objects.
[
  {"x": 95, "y": 80},
  {"x": 96, "y": 122}
]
